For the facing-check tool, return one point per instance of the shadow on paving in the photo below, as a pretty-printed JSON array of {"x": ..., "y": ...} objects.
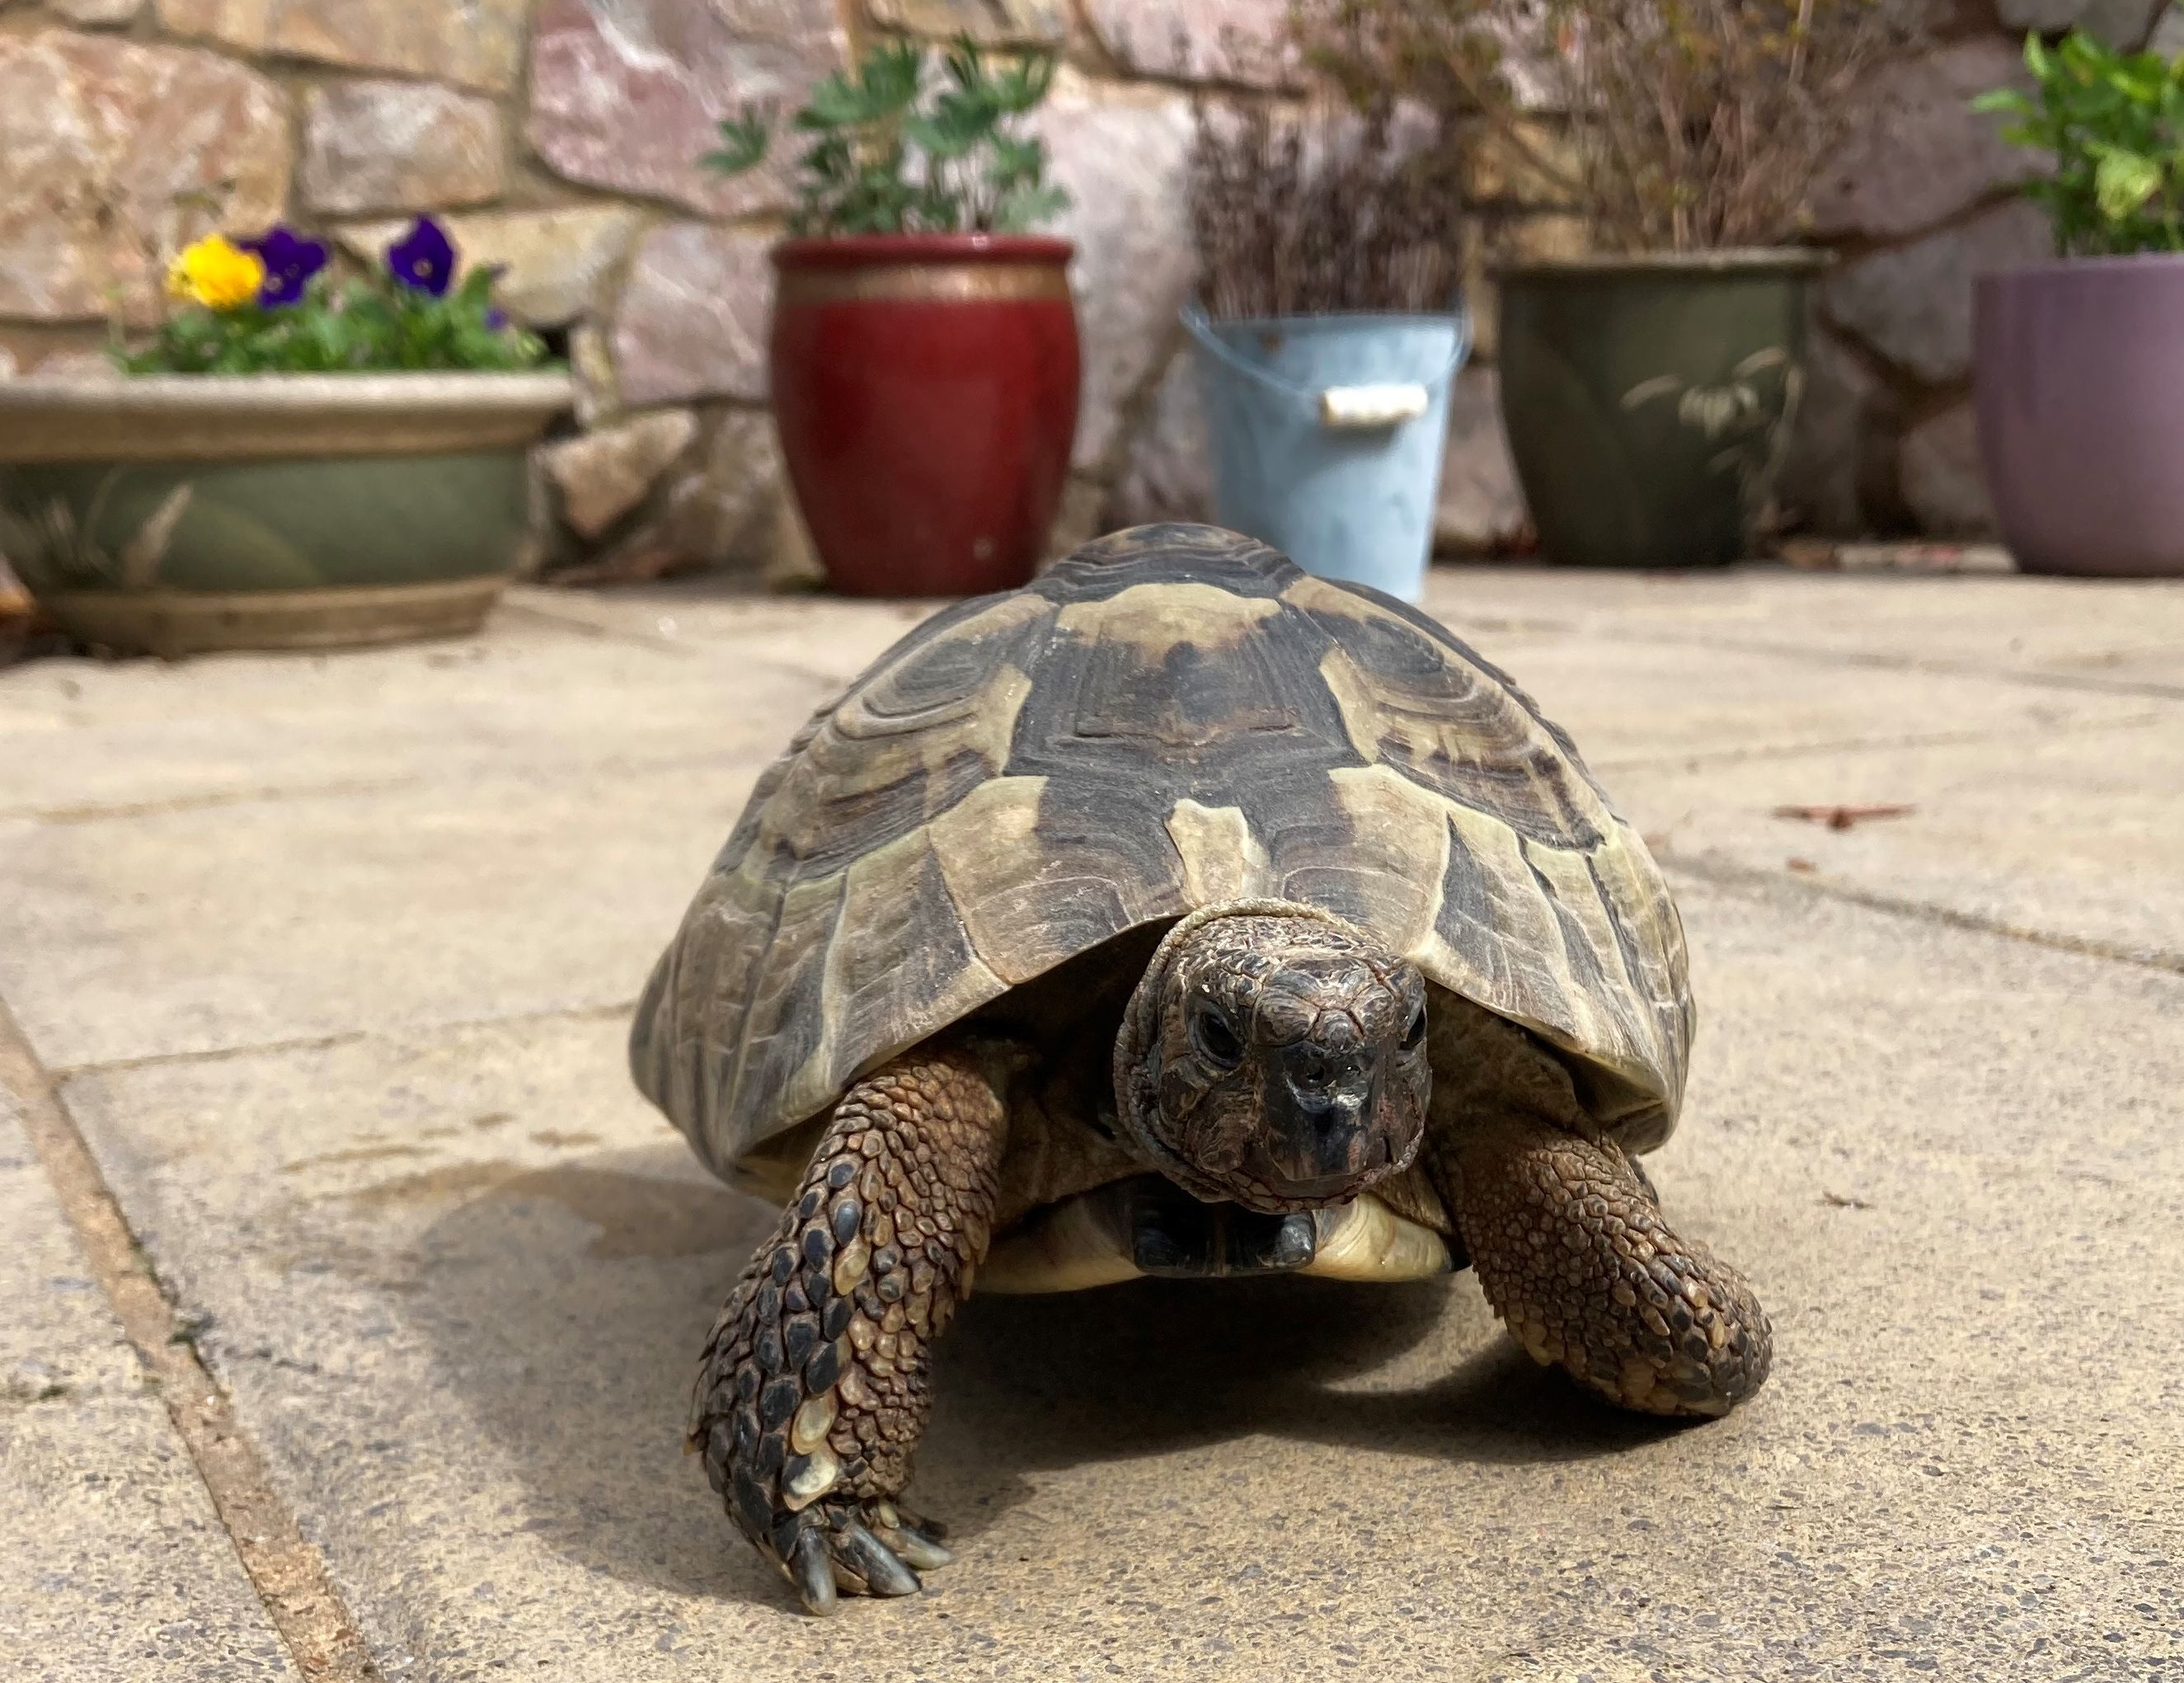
[{"x": 582, "y": 1365}]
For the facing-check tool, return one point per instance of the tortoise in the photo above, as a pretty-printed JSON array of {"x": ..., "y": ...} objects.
[{"x": 1179, "y": 914}]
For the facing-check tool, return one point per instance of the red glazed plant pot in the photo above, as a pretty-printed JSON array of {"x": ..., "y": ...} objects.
[
  {"x": 2079, "y": 370},
  {"x": 925, "y": 388}
]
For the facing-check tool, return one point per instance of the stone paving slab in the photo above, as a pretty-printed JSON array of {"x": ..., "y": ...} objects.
[
  {"x": 204, "y": 929},
  {"x": 830, "y": 637},
  {"x": 339, "y": 948},
  {"x": 534, "y": 699},
  {"x": 2076, "y": 836},
  {"x": 456, "y": 1279},
  {"x": 2097, "y": 631},
  {"x": 1633, "y": 704},
  {"x": 112, "y": 1563},
  {"x": 2039, "y": 804},
  {"x": 563, "y": 682},
  {"x": 310, "y": 846}
]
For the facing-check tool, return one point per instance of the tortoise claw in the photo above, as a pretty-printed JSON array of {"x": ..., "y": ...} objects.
[
  {"x": 852, "y": 1548},
  {"x": 918, "y": 1549},
  {"x": 813, "y": 1572},
  {"x": 872, "y": 1560}
]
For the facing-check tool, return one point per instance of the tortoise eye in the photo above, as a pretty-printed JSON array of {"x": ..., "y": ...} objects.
[
  {"x": 1415, "y": 1035},
  {"x": 1216, "y": 1038}
]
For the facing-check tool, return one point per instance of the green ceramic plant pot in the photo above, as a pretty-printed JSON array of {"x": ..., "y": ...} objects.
[
  {"x": 174, "y": 514},
  {"x": 1648, "y": 399}
]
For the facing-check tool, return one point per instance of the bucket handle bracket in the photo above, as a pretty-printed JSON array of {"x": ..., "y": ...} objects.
[
  {"x": 1340, "y": 408},
  {"x": 1365, "y": 408}
]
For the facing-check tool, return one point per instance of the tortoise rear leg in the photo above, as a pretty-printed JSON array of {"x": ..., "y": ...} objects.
[{"x": 815, "y": 1388}]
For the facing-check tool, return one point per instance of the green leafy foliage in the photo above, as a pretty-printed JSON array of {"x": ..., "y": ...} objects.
[
  {"x": 363, "y": 328},
  {"x": 893, "y": 149},
  {"x": 2114, "y": 124}
]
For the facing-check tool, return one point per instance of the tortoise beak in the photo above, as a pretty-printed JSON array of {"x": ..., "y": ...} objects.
[{"x": 1325, "y": 1130}]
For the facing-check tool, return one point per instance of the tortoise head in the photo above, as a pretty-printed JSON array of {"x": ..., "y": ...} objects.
[{"x": 1275, "y": 1056}]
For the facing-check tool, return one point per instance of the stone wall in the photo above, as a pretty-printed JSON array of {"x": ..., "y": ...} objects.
[
  {"x": 1920, "y": 201},
  {"x": 1917, "y": 204},
  {"x": 558, "y": 137}
]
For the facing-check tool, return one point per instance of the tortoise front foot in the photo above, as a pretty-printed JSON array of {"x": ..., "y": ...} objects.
[
  {"x": 815, "y": 1385},
  {"x": 810, "y": 1502},
  {"x": 863, "y": 1546},
  {"x": 1574, "y": 1257}
]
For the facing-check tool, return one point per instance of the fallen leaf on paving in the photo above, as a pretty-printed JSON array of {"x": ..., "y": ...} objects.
[
  {"x": 1836, "y": 1200},
  {"x": 1842, "y": 817},
  {"x": 1802, "y": 866}
]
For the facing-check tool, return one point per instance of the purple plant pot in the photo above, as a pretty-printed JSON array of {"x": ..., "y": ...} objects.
[{"x": 2079, "y": 371}]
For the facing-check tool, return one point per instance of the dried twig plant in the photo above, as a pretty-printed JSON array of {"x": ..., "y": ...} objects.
[
  {"x": 1684, "y": 124},
  {"x": 1322, "y": 211},
  {"x": 1701, "y": 125}
]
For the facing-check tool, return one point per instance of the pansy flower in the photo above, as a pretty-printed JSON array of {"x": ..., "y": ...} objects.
[
  {"x": 217, "y": 274},
  {"x": 424, "y": 259},
  {"x": 290, "y": 261}
]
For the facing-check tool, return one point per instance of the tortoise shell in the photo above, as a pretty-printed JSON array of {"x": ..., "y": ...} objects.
[{"x": 1174, "y": 716}]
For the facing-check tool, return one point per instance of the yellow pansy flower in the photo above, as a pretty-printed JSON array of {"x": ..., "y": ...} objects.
[{"x": 216, "y": 273}]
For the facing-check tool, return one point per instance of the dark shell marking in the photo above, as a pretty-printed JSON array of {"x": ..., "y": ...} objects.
[{"x": 1174, "y": 716}]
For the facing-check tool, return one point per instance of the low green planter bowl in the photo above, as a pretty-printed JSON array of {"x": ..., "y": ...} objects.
[
  {"x": 1649, "y": 399},
  {"x": 174, "y": 514}
]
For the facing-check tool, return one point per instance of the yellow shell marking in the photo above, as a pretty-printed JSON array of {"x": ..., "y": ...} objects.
[
  {"x": 1222, "y": 859},
  {"x": 1156, "y": 618}
]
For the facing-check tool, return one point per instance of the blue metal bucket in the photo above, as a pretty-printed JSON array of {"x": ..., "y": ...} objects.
[{"x": 1327, "y": 433}]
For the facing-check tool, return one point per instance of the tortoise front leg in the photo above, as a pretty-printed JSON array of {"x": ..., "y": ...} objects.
[
  {"x": 814, "y": 1387},
  {"x": 1567, "y": 1237},
  {"x": 1576, "y": 1259}
]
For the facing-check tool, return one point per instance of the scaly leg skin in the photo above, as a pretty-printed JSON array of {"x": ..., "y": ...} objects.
[
  {"x": 814, "y": 1390},
  {"x": 1574, "y": 1257}
]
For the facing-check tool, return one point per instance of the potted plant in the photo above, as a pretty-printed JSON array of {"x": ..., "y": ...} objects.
[
  {"x": 285, "y": 464},
  {"x": 923, "y": 355},
  {"x": 2078, "y": 364},
  {"x": 1648, "y": 388},
  {"x": 1329, "y": 329}
]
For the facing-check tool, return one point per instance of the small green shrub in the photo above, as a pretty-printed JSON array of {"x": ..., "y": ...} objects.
[
  {"x": 894, "y": 151},
  {"x": 2114, "y": 122}
]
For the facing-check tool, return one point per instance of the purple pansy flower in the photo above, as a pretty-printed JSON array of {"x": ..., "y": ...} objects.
[
  {"x": 424, "y": 259},
  {"x": 290, "y": 261}
]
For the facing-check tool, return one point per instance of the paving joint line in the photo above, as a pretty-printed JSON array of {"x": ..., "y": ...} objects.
[
  {"x": 1701, "y": 639},
  {"x": 1857, "y": 659},
  {"x": 91, "y": 813},
  {"x": 580, "y": 626},
  {"x": 1869, "y": 744},
  {"x": 1726, "y": 873},
  {"x": 289, "y": 1574},
  {"x": 524, "y": 772},
  {"x": 833, "y": 682},
  {"x": 59, "y": 1073}
]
